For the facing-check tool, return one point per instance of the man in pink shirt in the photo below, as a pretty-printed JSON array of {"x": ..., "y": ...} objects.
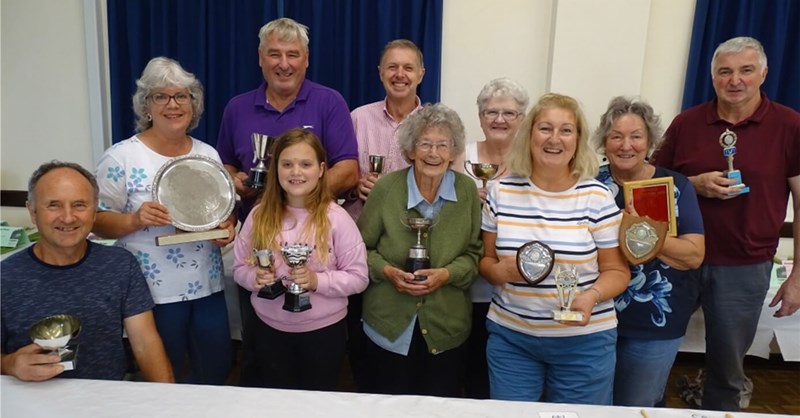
[{"x": 401, "y": 70}]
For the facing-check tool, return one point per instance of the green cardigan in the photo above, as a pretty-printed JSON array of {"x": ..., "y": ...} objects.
[{"x": 454, "y": 243}]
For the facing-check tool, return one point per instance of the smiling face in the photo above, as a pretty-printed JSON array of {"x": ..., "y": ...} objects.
[
  {"x": 299, "y": 172},
  {"x": 432, "y": 153},
  {"x": 171, "y": 116},
  {"x": 283, "y": 64},
  {"x": 738, "y": 78},
  {"x": 400, "y": 72},
  {"x": 626, "y": 143},
  {"x": 554, "y": 139},
  {"x": 496, "y": 118},
  {"x": 63, "y": 209}
]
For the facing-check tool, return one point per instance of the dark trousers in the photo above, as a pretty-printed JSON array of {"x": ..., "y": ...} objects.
[
  {"x": 419, "y": 373},
  {"x": 476, "y": 384},
  {"x": 247, "y": 370},
  {"x": 356, "y": 342},
  {"x": 299, "y": 360}
]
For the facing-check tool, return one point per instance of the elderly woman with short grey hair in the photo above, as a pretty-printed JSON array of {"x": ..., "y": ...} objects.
[
  {"x": 185, "y": 279},
  {"x": 654, "y": 310},
  {"x": 417, "y": 317}
]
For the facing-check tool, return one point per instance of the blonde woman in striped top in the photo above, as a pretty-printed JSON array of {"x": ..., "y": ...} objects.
[{"x": 552, "y": 197}]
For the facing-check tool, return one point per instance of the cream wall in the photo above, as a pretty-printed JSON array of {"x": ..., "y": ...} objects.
[{"x": 587, "y": 48}]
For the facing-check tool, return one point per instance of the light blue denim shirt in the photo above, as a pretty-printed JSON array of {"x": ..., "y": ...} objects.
[{"x": 447, "y": 191}]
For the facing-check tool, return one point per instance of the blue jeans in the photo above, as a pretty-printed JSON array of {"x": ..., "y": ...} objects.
[
  {"x": 642, "y": 370},
  {"x": 732, "y": 298},
  {"x": 199, "y": 327},
  {"x": 577, "y": 369}
]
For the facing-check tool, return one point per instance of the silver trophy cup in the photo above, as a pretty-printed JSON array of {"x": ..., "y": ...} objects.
[
  {"x": 262, "y": 151},
  {"x": 482, "y": 171},
  {"x": 296, "y": 299},
  {"x": 264, "y": 259},
  {"x": 418, "y": 257},
  {"x": 376, "y": 164},
  {"x": 57, "y": 334}
]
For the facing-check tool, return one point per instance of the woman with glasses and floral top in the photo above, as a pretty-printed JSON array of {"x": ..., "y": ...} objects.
[
  {"x": 185, "y": 279},
  {"x": 418, "y": 321},
  {"x": 502, "y": 103}
]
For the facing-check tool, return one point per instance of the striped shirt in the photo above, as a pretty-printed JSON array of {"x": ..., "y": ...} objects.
[{"x": 574, "y": 223}]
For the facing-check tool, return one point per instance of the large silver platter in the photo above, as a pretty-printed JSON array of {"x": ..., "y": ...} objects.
[{"x": 198, "y": 192}]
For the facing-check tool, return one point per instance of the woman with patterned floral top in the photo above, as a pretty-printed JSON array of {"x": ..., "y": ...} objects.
[
  {"x": 185, "y": 279},
  {"x": 655, "y": 308}
]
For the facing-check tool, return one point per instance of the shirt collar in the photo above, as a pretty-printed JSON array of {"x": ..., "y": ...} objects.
[
  {"x": 712, "y": 116},
  {"x": 447, "y": 189},
  {"x": 390, "y": 117}
]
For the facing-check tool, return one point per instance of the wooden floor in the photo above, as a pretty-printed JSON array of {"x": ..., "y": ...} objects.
[{"x": 776, "y": 384}]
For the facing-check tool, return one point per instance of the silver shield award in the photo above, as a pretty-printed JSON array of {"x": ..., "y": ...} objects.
[
  {"x": 535, "y": 261},
  {"x": 57, "y": 334},
  {"x": 728, "y": 142},
  {"x": 641, "y": 238},
  {"x": 566, "y": 277},
  {"x": 264, "y": 259},
  {"x": 296, "y": 298}
]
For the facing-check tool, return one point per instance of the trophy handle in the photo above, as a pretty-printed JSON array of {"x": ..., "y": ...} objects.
[{"x": 467, "y": 164}]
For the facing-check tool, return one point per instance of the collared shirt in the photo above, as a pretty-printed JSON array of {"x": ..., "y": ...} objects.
[
  {"x": 376, "y": 133},
  {"x": 316, "y": 108},
  {"x": 447, "y": 191}
]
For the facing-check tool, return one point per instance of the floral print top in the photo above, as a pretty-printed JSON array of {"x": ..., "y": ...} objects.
[{"x": 174, "y": 273}]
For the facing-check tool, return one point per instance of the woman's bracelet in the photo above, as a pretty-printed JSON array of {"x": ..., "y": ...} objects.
[{"x": 599, "y": 295}]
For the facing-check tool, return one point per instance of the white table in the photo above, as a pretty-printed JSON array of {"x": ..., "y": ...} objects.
[{"x": 65, "y": 398}]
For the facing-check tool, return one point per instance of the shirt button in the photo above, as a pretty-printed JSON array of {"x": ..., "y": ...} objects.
[
  {"x": 424, "y": 332},
  {"x": 433, "y": 351},
  {"x": 419, "y": 304}
]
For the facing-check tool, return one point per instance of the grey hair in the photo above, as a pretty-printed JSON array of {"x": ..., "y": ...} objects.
[
  {"x": 620, "y": 106},
  {"x": 403, "y": 43},
  {"x": 163, "y": 72},
  {"x": 55, "y": 164},
  {"x": 288, "y": 30},
  {"x": 503, "y": 87},
  {"x": 737, "y": 45},
  {"x": 431, "y": 116}
]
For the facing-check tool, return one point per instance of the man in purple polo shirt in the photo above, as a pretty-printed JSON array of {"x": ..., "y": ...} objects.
[
  {"x": 287, "y": 100},
  {"x": 742, "y": 229}
]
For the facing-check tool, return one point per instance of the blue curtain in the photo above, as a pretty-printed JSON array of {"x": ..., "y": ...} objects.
[
  {"x": 217, "y": 40},
  {"x": 775, "y": 23}
]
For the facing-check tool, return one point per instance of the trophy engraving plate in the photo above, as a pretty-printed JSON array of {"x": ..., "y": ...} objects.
[
  {"x": 535, "y": 261},
  {"x": 655, "y": 199},
  {"x": 57, "y": 334},
  {"x": 198, "y": 192}
]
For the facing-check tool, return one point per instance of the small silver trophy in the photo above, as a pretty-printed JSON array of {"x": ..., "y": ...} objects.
[
  {"x": 535, "y": 261},
  {"x": 728, "y": 142},
  {"x": 482, "y": 171},
  {"x": 296, "y": 299},
  {"x": 264, "y": 259},
  {"x": 418, "y": 257},
  {"x": 376, "y": 164},
  {"x": 262, "y": 151},
  {"x": 57, "y": 334},
  {"x": 566, "y": 278}
]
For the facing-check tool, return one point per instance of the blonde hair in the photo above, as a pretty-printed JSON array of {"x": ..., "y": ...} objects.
[
  {"x": 269, "y": 215},
  {"x": 583, "y": 164}
]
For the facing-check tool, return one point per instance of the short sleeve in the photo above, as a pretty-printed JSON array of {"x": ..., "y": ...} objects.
[{"x": 110, "y": 174}]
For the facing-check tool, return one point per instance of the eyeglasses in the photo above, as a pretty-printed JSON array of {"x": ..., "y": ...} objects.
[
  {"x": 162, "y": 99},
  {"x": 507, "y": 115},
  {"x": 427, "y": 146}
]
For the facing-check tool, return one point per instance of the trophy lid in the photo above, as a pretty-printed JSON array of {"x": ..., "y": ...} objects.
[
  {"x": 197, "y": 190},
  {"x": 55, "y": 331}
]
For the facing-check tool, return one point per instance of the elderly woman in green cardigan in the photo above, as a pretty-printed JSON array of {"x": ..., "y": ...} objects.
[{"x": 417, "y": 322}]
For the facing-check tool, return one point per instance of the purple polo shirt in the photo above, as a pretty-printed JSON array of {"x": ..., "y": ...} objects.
[
  {"x": 743, "y": 229},
  {"x": 317, "y": 108}
]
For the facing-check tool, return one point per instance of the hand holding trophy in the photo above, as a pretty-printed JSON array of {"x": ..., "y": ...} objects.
[
  {"x": 57, "y": 334},
  {"x": 418, "y": 257},
  {"x": 728, "y": 142},
  {"x": 566, "y": 277},
  {"x": 297, "y": 299}
]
